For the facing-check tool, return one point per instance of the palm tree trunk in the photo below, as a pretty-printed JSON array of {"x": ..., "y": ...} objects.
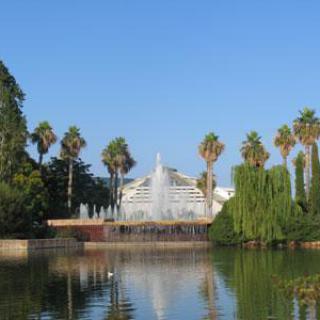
[
  {"x": 307, "y": 170},
  {"x": 209, "y": 188},
  {"x": 285, "y": 162},
  {"x": 40, "y": 159},
  {"x": 70, "y": 185},
  {"x": 111, "y": 192},
  {"x": 121, "y": 190}
]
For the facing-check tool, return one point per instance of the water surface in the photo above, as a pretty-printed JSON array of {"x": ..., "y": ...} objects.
[{"x": 149, "y": 283}]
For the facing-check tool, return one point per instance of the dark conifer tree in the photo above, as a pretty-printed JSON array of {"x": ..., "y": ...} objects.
[
  {"x": 314, "y": 201},
  {"x": 13, "y": 129},
  {"x": 301, "y": 198}
]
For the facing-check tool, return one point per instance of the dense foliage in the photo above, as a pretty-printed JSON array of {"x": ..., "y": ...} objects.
[
  {"x": 87, "y": 189},
  {"x": 14, "y": 220},
  {"x": 222, "y": 230},
  {"x": 13, "y": 128},
  {"x": 262, "y": 203}
]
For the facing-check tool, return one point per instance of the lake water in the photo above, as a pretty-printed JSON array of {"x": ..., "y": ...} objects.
[{"x": 151, "y": 284}]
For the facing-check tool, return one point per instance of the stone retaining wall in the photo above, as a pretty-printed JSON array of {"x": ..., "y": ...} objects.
[
  {"x": 36, "y": 244},
  {"x": 134, "y": 231}
]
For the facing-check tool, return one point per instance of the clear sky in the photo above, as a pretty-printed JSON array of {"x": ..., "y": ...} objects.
[{"x": 164, "y": 73}]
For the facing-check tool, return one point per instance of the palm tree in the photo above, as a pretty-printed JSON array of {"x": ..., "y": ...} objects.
[
  {"x": 285, "y": 141},
  {"x": 253, "y": 151},
  {"x": 307, "y": 130},
  {"x": 202, "y": 183},
  {"x": 110, "y": 160},
  {"x": 119, "y": 161},
  {"x": 44, "y": 137},
  {"x": 71, "y": 146},
  {"x": 126, "y": 164},
  {"x": 210, "y": 149}
]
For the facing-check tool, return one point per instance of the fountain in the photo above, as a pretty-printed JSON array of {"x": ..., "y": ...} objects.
[
  {"x": 84, "y": 211},
  {"x": 161, "y": 206},
  {"x": 164, "y": 195}
]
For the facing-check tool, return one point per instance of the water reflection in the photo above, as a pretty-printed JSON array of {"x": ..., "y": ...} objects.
[
  {"x": 149, "y": 283},
  {"x": 248, "y": 273}
]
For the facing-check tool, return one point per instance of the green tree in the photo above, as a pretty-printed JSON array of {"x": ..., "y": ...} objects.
[
  {"x": 285, "y": 141},
  {"x": 307, "y": 130},
  {"x": 13, "y": 129},
  {"x": 222, "y": 229},
  {"x": 14, "y": 221},
  {"x": 253, "y": 151},
  {"x": 71, "y": 146},
  {"x": 44, "y": 137},
  {"x": 210, "y": 150},
  {"x": 86, "y": 188},
  {"x": 300, "y": 194},
  {"x": 315, "y": 182},
  {"x": 262, "y": 203},
  {"x": 29, "y": 182}
]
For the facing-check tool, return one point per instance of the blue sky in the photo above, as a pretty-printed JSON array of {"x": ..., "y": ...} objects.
[{"x": 164, "y": 73}]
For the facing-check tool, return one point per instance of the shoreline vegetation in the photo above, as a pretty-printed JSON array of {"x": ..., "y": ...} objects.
[{"x": 262, "y": 211}]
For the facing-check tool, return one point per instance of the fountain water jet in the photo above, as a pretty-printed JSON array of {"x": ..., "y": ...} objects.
[{"x": 161, "y": 206}]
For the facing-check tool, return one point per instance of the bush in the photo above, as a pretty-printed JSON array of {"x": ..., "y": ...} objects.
[
  {"x": 303, "y": 227},
  {"x": 14, "y": 220},
  {"x": 43, "y": 231},
  {"x": 222, "y": 229},
  {"x": 70, "y": 232}
]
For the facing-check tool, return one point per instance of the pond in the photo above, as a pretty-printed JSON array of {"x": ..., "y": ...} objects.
[{"x": 151, "y": 283}]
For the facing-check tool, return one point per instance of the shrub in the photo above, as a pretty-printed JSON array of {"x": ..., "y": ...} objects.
[
  {"x": 14, "y": 220},
  {"x": 222, "y": 229},
  {"x": 303, "y": 227}
]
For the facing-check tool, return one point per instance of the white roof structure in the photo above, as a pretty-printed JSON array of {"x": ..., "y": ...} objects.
[{"x": 184, "y": 201}]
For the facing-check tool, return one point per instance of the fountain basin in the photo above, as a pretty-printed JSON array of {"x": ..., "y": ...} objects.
[{"x": 99, "y": 230}]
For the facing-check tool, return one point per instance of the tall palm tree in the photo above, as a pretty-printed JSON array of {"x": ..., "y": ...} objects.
[
  {"x": 119, "y": 161},
  {"x": 126, "y": 164},
  {"x": 306, "y": 129},
  {"x": 253, "y": 151},
  {"x": 44, "y": 137},
  {"x": 71, "y": 146},
  {"x": 110, "y": 160},
  {"x": 285, "y": 141},
  {"x": 210, "y": 149}
]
